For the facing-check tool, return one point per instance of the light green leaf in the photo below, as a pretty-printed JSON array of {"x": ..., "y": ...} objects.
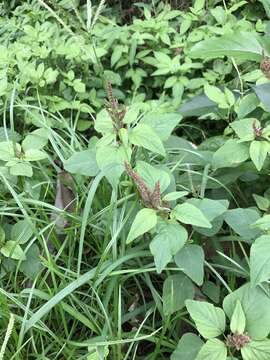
[
  {"x": 13, "y": 250},
  {"x": 258, "y": 151},
  {"x": 213, "y": 349},
  {"x": 238, "y": 319},
  {"x": 82, "y": 163},
  {"x": 244, "y": 128},
  {"x": 21, "y": 232},
  {"x": 190, "y": 259},
  {"x": 151, "y": 175},
  {"x": 216, "y": 95},
  {"x": 34, "y": 155},
  {"x": 190, "y": 214},
  {"x": 103, "y": 123},
  {"x": 188, "y": 347},
  {"x": 162, "y": 124},
  {"x": 209, "y": 320},
  {"x": 262, "y": 223},
  {"x": 176, "y": 290},
  {"x": 241, "y": 45},
  {"x": 21, "y": 169},
  {"x": 145, "y": 220},
  {"x": 169, "y": 240},
  {"x": 256, "y": 350},
  {"x": 240, "y": 220},
  {"x": 255, "y": 303},
  {"x": 36, "y": 139},
  {"x": 231, "y": 154},
  {"x": 143, "y": 135},
  {"x": 32, "y": 264},
  {"x": 260, "y": 260},
  {"x": 175, "y": 195},
  {"x": 7, "y": 151}
]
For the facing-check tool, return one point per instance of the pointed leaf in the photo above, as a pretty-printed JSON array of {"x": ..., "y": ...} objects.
[{"x": 144, "y": 221}]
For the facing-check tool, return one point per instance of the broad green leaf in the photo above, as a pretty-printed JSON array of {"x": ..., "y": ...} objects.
[
  {"x": 145, "y": 220},
  {"x": 244, "y": 128},
  {"x": 103, "y": 123},
  {"x": 209, "y": 320},
  {"x": 151, "y": 175},
  {"x": 258, "y": 151},
  {"x": 176, "y": 290},
  {"x": 246, "y": 105},
  {"x": 190, "y": 214},
  {"x": 262, "y": 202},
  {"x": 175, "y": 195},
  {"x": 34, "y": 155},
  {"x": 260, "y": 260},
  {"x": 21, "y": 232},
  {"x": 110, "y": 160},
  {"x": 263, "y": 93},
  {"x": 231, "y": 154},
  {"x": 213, "y": 349},
  {"x": 238, "y": 319},
  {"x": 210, "y": 208},
  {"x": 241, "y": 45},
  {"x": 162, "y": 124},
  {"x": 12, "y": 250},
  {"x": 131, "y": 115},
  {"x": 211, "y": 290},
  {"x": 256, "y": 350},
  {"x": 169, "y": 240},
  {"x": 263, "y": 223},
  {"x": 188, "y": 347},
  {"x": 240, "y": 220},
  {"x": 255, "y": 303},
  {"x": 197, "y": 106},
  {"x": 37, "y": 139},
  {"x": 32, "y": 264},
  {"x": 7, "y": 150},
  {"x": 143, "y": 135},
  {"x": 21, "y": 169},
  {"x": 216, "y": 95},
  {"x": 82, "y": 163},
  {"x": 190, "y": 259},
  {"x": 2, "y": 236}
]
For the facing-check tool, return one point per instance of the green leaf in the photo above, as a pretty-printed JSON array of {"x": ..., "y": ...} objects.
[
  {"x": 13, "y": 250},
  {"x": 263, "y": 93},
  {"x": 103, "y": 123},
  {"x": 151, "y": 175},
  {"x": 35, "y": 140},
  {"x": 238, "y": 319},
  {"x": 241, "y": 45},
  {"x": 197, "y": 106},
  {"x": 240, "y": 220},
  {"x": 21, "y": 169},
  {"x": 162, "y": 124},
  {"x": 6, "y": 151},
  {"x": 143, "y": 135},
  {"x": 258, "y": 151},
  {"x": 244, "y": 128},
  {"x": 21, "y": 232},
  {"x": 210, "y": 208},
  {"x": 213, "y": 349},
  {"x": 216, "y": 95},
  {"x": 209, "y": 320},
  {"x": 169, "y": 240},
  {"x": 176, "y": 290},
  {"x": 190, "y": 259},
  {"x": 82, "y": 163},
  {"x": 175, "y": 195},
  {"x": 34, "y": 155},
  {"x": 260, "y": 260},
  {"x": 145, "y": 220},
  {"x": 255, "y": 303},
  {"x": 256, "y": 350},
  {"x": 263, "y": 223},
  {"x": 188, "y": 347},
  {"x": 246, "y": 105},
  {"x": 32, "y": 264},
  {"x": 190, "y": 214},
  {"x": 231, "y": 154},
  {"x": 78, "y": 86},
  {"x": 262, "y": 202}
]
